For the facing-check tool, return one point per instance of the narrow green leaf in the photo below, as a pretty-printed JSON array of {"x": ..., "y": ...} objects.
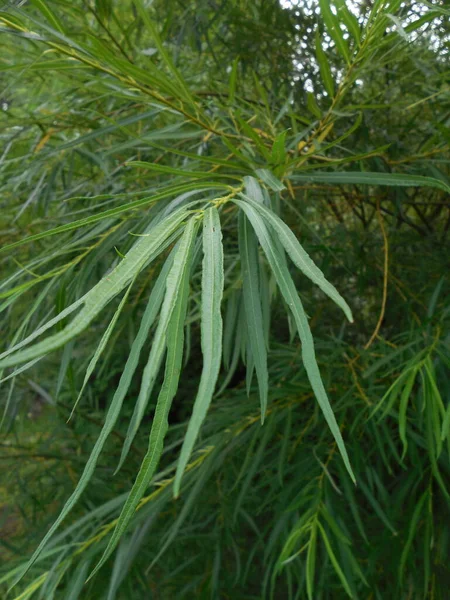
[
  {"x": 279, "y": 149},
  {"x": 432, "y": 434},
  {"x": 278, "y": 265},
  {"x": 155, "y": 357},
  {"x": 376, "y": 506},
  {"x": 412, "y": 527},
  {"x": 110, "y": 420},
  {"x": 233, "y": 80},
  {"x": 211, "y": 334},
  {"x": 445, "y": 424},
  {"x": 253, "y": 189},
  {"x": 269, "y": 179},
  {"x": 177, "y": 287},
  {"x": 332, "y": 25},
  {"x": 404, "y": 399},
  {"x": 148, "y": 246},
  {"x": 311, "y": 562},
  {"x": 435, "y": 404},
  {"x": 399, "y": 26},
  {"x": 285, "y": 108},
  {"x": 265, "y": 293},
  {"x": 426, "y": 18},
  {"x": 299, "y": 256},
  {"x": 334, "y": 526},
  {"x": 312, "y": 105},
  {"x": 253, "y": 135},
  {"x": 334, "y": 561},
  {"x": 113, "y": 212},
  {"x": 248, "y": 251},
  {"x": 93, "y": 302},
  {"x": 143, "y": 13},
  {"x": 367, "y": 178},
  {"x": 349, "y": 20},
  {"x": 324, "y": 67},
  {"x": 76, "y": 582},
  {"x": 101, "y": 346},
  {"x": 351, "y": 502},
  {"x": 229, "y": 330},
  {"x": 237, "y": 153},
  {"x": 173, "y": 171},
  {"x": 250, "y": 365},
  {"x": 48, "y": 14},
  {"x": 261, "y": 91}
]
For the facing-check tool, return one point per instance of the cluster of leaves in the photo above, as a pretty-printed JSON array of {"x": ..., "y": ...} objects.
[{"x": 173, "y": 292}]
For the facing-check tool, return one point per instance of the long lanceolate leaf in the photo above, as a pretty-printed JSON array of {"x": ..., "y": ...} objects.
[
  {"x": 113, "y": 411},
  {"x": 177, "y": 289},
  {"x": 153, "y": 365},
  {"x": 368, "y": 178},
  {"x": 299, "y": 256},
  {"x": 101, "y": 346},
  {"x": 278, "y": 265},
  {"x": 150, "y": 373},
  {"x": 211, "y": 324},
  {"x": 248, "y": 251},
  {"x": 175, "y": 74},
  {"x": 99, "y": 296},
  {"x": 114, "y": 212}
]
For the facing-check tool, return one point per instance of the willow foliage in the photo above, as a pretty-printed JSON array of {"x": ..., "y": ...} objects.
[{"x": 224, "y": 229}]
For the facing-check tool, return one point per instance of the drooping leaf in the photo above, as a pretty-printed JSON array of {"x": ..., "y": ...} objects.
[
  {"x": 248, "y": 251},
  {"x": 279, "y": 149},
  {"x": 404, "y": 398},
  {"x": 349, "y": 20},
  {"x": 211, "y": 333},
  {"x": 94, "y": 301},
  {"x": 311, "y": 562},
  {"x": 101, "y": 346},
  {"x": 411, "y": 533},
  {"x": 174, "y": 171},
  {"x": 269, "y": 178},
  {"x": 113, "y": 212},
  {"x": 233, "y": 80},
  {"x": 324, "y": 66},
  {"x": 229, "y": 330},
  {"x": 332, "y": 25},
  {"x": 156, "y": 355},
  {"x": 299, "y": 256},
  {"x": 284, "y": 280},
  {"x": 175, "y": 73},
  {"x": 334, "y": 561},
  {"x": 367, "y": 178},
  {"x": 51, "y": 17},
  {"x": 312, "y": 105},
  {"x": 110, "y": 421},
  {"x": 177, "y": 288}
]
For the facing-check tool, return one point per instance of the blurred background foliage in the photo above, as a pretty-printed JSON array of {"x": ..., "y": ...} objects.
[{"x": 231, "y": 87}]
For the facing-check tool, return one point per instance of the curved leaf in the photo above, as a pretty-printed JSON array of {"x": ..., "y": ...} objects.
[
  {"x": 299, "y": 256},
  {"x": 211, "y": 323},
  {"x": 248, "y": 251},
  {"x": 99, "y": 296},
  {"x": 373, "y": 178},
  {"x": 177, "y": 288},
  {"x": 284, "y": 280}
]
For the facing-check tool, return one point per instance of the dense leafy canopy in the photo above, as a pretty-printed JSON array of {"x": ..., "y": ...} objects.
[{"x": 224, "y": 239}]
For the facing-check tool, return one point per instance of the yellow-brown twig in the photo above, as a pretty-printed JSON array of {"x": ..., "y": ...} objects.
[{"x": 385, "y": 278}]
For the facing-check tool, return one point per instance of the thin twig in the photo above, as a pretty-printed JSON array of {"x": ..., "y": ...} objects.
[{"x": 385, "y": 278}]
